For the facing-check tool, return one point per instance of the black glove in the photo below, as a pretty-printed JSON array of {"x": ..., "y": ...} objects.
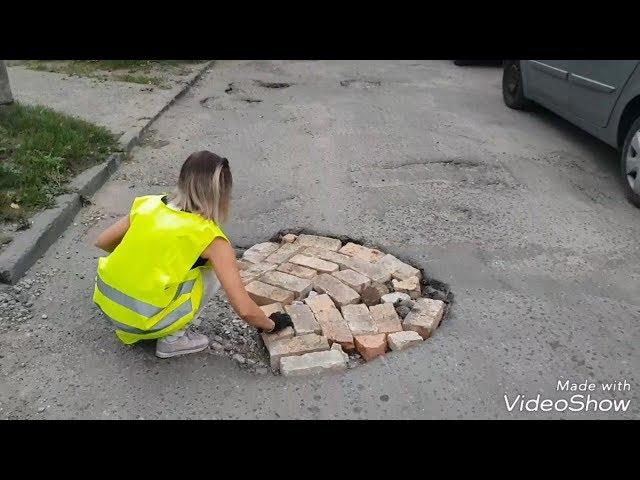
[{"x": 281, "y": 320}]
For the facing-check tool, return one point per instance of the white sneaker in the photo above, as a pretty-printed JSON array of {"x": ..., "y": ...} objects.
[{"x": 190, "y": 342}]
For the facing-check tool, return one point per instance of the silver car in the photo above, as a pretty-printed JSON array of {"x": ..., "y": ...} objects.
[{"x": 599, "y": 96}]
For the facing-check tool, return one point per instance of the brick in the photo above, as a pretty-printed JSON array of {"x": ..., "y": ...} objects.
[
  {"x": 299, "y": 286},
  {"x": 314, "y": 363},
  {"x": 359, "y": 319},
  {"x": 371, "y": 346},
  {"x": 318, "y": 303},
  {"x": 394, "y": 297},
  {"x": 402, "y": 340},
  {"x": 295, "y": 346},
  {"x": 269, "y": 338},
  {"x": 410, "y": 286},
  {"x": 303, "y": 319},
  {"x": 255, "y": 270},
  {"x": 398, "y": 269},
  {"x": 365, "y": 253},
  {"x": 328, "y": 255},
  {"x": 371, "y": 294},
  {"x": 340, "y": 293},
  {"x": 284, "y": 253},
  {"x": 326, "y": 243},
  {"x": 384, "y": 317},
  {"x": 289, "y": 238},
  {"x": 374, "y": 271},
  {"x": 265, "y": 294},
  {"x": 352, "y": 279},
  {"x": 314, "y": 263},
  {"x": 424, "y": 317},
  {"x": 296, "y": 270},
  {"x": 334, "y": 328},
  {"x": 259, "y": 252},
  {"x": 272, "y": 308}
]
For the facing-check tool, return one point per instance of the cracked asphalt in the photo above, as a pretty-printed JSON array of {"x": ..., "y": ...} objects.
[{"x": 521, "y": 213}]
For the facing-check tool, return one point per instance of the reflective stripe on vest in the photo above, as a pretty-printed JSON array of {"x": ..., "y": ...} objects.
[
  {"x": 173, "y": 317},
  {"x": 146, "y": 309}
]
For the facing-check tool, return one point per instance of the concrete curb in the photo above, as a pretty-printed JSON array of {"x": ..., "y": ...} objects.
[{"x": 46, "y": 226}]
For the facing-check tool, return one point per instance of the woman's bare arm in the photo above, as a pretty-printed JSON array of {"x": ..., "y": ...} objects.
[
  {"x": 112, "y": 236},
  {"x": 221, "y": 255}
]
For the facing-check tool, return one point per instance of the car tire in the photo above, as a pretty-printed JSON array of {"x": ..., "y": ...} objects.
[
  {"x": 630, "y": 163},
  {"x": 462, "y": 63},
  {"x": 512, "y": 91}
]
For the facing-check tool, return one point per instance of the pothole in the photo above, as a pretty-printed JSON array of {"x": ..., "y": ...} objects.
[
  {"x": 349, "y": 303},
  {"x": 357, "y": 82},
  {"x": 272, "y": 84}
]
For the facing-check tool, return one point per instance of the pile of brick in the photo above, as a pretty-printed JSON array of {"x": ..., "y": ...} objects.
[{"x": 341, "y": 299}]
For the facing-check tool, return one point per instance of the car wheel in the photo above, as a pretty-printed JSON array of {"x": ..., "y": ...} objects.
[
  {"x": 630, "y": 163},
  {"x": 512, "y": 91}
]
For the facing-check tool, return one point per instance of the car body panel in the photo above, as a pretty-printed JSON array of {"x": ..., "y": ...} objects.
[{"x": 591, "y": 94}]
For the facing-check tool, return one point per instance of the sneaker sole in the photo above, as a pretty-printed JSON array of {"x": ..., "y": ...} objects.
[{"x": 181, "y": 352}]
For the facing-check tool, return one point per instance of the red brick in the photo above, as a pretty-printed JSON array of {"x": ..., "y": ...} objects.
[{"x": 371, "y": 346}]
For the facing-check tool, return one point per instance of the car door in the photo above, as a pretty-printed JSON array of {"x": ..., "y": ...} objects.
[
  {"x": 546, "y": 83},
  {"x": 594, "y": 87}
]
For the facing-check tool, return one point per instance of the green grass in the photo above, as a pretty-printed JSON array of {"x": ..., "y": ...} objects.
[
  {"x": 137, "y": 71},
  {"x": 40, "y": 149}
]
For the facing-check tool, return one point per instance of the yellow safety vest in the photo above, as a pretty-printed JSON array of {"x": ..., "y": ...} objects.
[{"x": 147, "y": 285}]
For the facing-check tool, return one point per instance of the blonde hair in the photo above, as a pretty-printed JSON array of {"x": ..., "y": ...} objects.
[{"x": 204, "y": 186}]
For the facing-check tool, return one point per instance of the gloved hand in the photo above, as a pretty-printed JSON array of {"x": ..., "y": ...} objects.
[{"x": 281, "y": 320}]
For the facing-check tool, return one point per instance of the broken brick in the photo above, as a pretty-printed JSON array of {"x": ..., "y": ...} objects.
[
  {"x": 371, "y": 346},
  {"x": 255, "y": 270},
  {"x": 335, "y": 328},
  {"x": 398, "y": 269},
  {"x": 326, "y": 243},
  {"x": 284, "y": 253},
  {"x": 289, "y": 238},
  {"x": 313, "y": 363},
  {"x": 314, "y": 263},
  {"x": 402, "y": 340},
  {"x": 265, "y": 294},
  {"x": 424, "y": 317},
  {"x": 318, "y": 303},
  {"x": 340, "y": 293},
  {"x": 300, "y": 286},
  {"x": 359, "y": 319},
  {"x": 374, "y": 271},
  {"x": 394, "y": 297},
  {"x": 365, "y": 253},
  {"x": 259, "y": 252},
  {"x": 295, "y": 346},
  {"x": 296, "y": 270},
  {"x": 352, "y": 279},
  {"x": 328, "y": 255},
  {"x": 384, "y": 317},
  {"x": 303, "y": 319},
  {"x": 410, "y": 286}
]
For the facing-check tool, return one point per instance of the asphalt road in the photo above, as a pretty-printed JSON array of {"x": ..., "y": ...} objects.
[{"x": 521, "y": 213}]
